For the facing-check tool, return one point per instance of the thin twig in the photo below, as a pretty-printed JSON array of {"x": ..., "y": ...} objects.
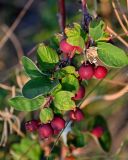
[
  {"x": 121, "y": 35},
  {"x": 15, "y": 42},
  {"x": 16, "y": 22},
  {"x": 86, "y": 16},
  {"x": 117, "y": 36},
  {"x": 8, "y": 88},
  {"x": 18, "y": 131},
  {"x": 62, "y": 16},
  {"x": 13, "y": 95},
  {"x": 122, "y": 12},
  {"x": 118, "y": 17},
  {"x": 115, "y": 82},
  {"x": 32, "y": 50},
  {"x": 109, "y": 97},
  {"x": 3, "y": 86}
]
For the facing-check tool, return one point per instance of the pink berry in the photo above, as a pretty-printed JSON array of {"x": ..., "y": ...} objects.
[
  {"x": 80, "y": 93},
  {"x": 66, "y": 47},
  {"x": 31, "y": 126},
  {"x": 86, "y": 72},
  {"x": 58, "y": 123},
  {"x": 76, "y": 115},
  {"x": 56, "y": 132},
  {"x": 100, "y": 72},
  {"x": 45, "y": 131},
  {"x": 97, "y": 131}
]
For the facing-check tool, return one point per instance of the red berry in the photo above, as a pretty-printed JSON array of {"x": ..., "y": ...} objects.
[
  {"x": 97, "y": 131},
  {"x": 80, "y": 93},
  {"x": 58, "y": 123},
  {"x": 66, "y": 47},
  {"x": 100, "y": 72},
  {"x": 56, "y": 132},
  {"x": 76, "y": 115},
  {"x": 45, "y": 130},
  {"x": 86, "y": 72},
  {"x": 31, "y": 126}
]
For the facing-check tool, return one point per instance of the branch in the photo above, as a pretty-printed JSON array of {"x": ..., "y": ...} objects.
[
  {"x": 118, "y": 17},
  {"x": 114, "y": 82},
  {"x": 86, "y": 16},
  {"x": 110, "y": 30},
  {"x": 62, "y": 16},
  {"x": 122, "y": 12},
  {"x": 16, "y": 22},
  {"x": 15, "y": 42},
  {"x": 109, "y": 97}
]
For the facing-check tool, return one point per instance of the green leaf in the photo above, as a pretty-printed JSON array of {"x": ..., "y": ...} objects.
[
  {"x": 78, "y": 60},
  {"x": 47, "y": 58},
  {"x": 70, "y": 70},
  {"x": 75, "y": 30},
  {"x": 97, "y": 30},
  {"x": 54, "y": 41},
  {"x": 57, "y": 89},
  {"x": 46, "y": 115},
  {"x": 76, "y": 139},
  {"x": 63, "y": 101},
  {"x": 64, "y": 71},
  {"x": 75, "y": 35},
  {"x": 23, "y": 104},
  {"x": 105, "y": 140},
  {"x": 56, "y": 110},
  {"x": 76, "y": 41},
  {"x": 39, "y": 86},
  {"x": 18, "y": 150},
  {"x": 60, "y": 74},
  {"x": 70, "y": 83},
  {"x": 30, "y": 68},
  {"x": 112, "y": 55}
]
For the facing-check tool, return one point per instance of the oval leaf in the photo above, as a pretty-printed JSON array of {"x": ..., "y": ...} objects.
[
  {"x": 70, "y": 83},
  {"x": 63, "y": 100},
  {"x": 64, "y": 71},
  {"x": 76, "y": 139},
  {"x": 78, "y": 60},
  {"x": 18, "y": 149},
  {"x": 38, "y": 86},
  {"x": 46, "y": 115},
  {"x": 23, "y": 104},
  {"x": 30, "y": 68},
  {"x": 112, "y": 55},
  {"x": 70, "y": 70},
  {"x": 97, "y": 30},
  {"x": 75, "y": 36},
  {"x": 47, "y": 58}
]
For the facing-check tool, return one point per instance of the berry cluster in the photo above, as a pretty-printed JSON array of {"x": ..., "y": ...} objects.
[
  {"x": 46, "y": 130},
  {"x": 86, "y": 72},
  {"x": 55, "y": 126}
]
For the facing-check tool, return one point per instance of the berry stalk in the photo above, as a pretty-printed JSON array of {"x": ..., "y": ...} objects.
[
  {"x": 86, "y": 16},
  {"x": 62, "y": 15}
]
